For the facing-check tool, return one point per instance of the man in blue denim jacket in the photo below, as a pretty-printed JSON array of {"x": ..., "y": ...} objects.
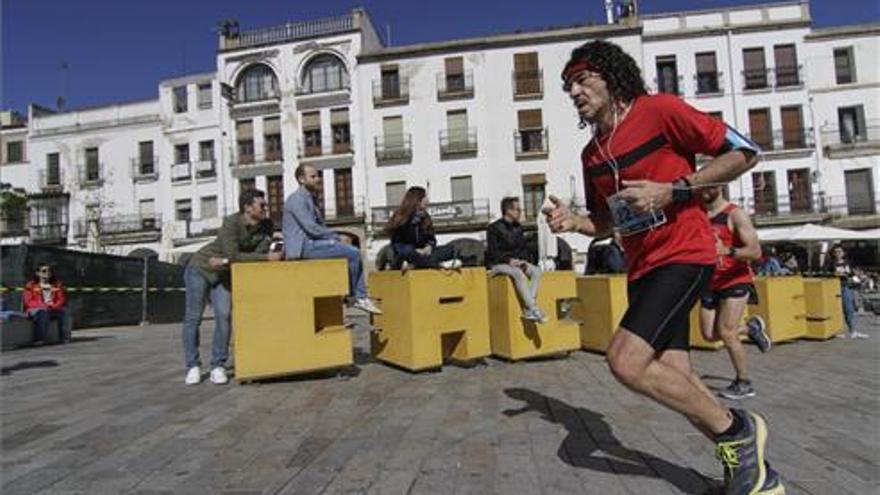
[{"x": 306, "y": 236}]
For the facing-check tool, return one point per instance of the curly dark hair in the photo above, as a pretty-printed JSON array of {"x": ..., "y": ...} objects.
[{"x": 617, "y": 68}]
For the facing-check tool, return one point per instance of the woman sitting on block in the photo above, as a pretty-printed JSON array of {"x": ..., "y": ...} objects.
[{"x": 412, "y": 235}]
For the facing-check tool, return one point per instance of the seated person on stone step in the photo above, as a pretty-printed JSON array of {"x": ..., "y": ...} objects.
[
  {"x": 44, "y": 301},
  {"x": 507, "y": 254},
  {"x": 412, "y": 235},
  {"x": 306, "y": 236}
]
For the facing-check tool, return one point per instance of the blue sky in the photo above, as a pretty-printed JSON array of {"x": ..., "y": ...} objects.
[{"x": 119, "y": 50}]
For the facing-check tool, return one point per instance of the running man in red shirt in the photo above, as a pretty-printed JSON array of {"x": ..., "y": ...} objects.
[
  {"x": 640, "y": 175},
  {"x": 731, "y": 288}
]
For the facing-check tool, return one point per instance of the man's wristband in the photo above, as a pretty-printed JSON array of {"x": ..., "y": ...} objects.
[
  {"x": 681, "y": 191},
  {"x": 731, "y": 252}
]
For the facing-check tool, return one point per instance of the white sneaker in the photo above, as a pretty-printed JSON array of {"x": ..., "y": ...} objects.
[
  {"x": 858, "y": 335},
  {"x": 453, "y": 264},
  {"x": 367, "y": 304},
  {"x": 193, "y": 376},
  {"x": 218, "y": 376}
]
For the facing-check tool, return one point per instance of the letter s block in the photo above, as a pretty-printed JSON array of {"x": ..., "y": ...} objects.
[
  {"x": 429, "y": 315},
  {"x": 287, "y": 317}
]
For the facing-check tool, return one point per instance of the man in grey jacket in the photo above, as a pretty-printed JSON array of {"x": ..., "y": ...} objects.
[{"x": 306, "y": 236}]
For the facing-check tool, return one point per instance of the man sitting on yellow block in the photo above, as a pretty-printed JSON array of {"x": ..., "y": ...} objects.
[
  {"x": 306, "y": 236},
  {"x": 507, "y": 254}
]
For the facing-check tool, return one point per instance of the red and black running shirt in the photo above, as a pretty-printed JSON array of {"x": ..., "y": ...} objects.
[
  {"x": 729, "y": 271},
  {"x": 657, "y": 141}
]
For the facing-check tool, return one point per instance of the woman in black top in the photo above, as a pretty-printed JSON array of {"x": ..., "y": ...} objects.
[{"x": 412, "y": 235}]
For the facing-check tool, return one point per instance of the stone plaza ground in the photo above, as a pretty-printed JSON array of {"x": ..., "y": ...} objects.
[{"x": 109, "y": 413}]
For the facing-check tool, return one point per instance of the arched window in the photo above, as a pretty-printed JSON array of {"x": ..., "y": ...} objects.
[
  {"x": 256, "y": 83},
  {"x": 324, "y": 73}
]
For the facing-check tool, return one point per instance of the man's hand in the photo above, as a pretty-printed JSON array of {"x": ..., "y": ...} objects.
[
  {"x": 215, "y": 262},
  {"x": 644, "y": 196},
  {"x": 559, "y": 216},
  {"x": 275, "y": 256},
  {"x": 516, "y": 263},
  {"x": 425, "y": 251}
]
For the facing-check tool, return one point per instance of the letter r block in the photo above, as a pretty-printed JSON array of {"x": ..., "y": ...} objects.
[
  {"x": 287, "y": 317},
  {"x": 429, "y": 315}
]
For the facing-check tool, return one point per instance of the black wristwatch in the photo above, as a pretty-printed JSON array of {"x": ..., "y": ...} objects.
[
  {"x": 681, "y": 191},
  {"x": 731, "y": 252}
]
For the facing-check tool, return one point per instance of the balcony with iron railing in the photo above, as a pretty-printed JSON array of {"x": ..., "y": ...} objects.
[
  {"x": 205, "y": 169},
  {"x": 709, "y": 83},
  {"x": 91, "y": 174},
  {"x": 345, "y": 211},
  {"x": 455, "y": 86},
  {"x": 48, "y": 233},
  {"x": 675, "y": 86},
  {"x": 784, "y": 140},
  {"x": 144, "y": 169},
  {"x": 191, "y": 228},
  {"x": 788, "y": 76},
  {"x": 181, "y": 172},
  {"x": 788, "y": 209},
  {"x": 255, "y": 160},
  {"x": 393, "y": 149},
  {"x": 531, "y": 143},
  {"x": 332, "y": 149},
  {"x": 290, "y": 31},
  {"x": 528, "y": 84},
  {"x": 445, "y": 216},
  {"x": 756, "y": 79},
  {"x": 49, "y": 180},
  {"x": 458, "y": 142},
  {"x": 390, "y": 92},
  {"x": 120, "y": 225},
  {"x": 848, "y": 142},
  {"x": 341, "y": 84}
]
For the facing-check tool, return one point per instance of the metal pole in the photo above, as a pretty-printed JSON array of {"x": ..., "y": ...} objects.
[{"x": 144, "y": 292}]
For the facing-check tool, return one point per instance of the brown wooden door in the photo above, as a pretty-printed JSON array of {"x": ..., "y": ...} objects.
[
  {"x": 759, "y": 128},
  {"x": 275, "y": 199},
  {"x": 344, "y": 193},
  {"x": 793, "y": 136},
  {"x": 764, "y": 187},
  {"x": 800, "y": 194}
]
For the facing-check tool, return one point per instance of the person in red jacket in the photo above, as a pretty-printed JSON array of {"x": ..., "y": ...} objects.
[{"x": 44, "y": 301}]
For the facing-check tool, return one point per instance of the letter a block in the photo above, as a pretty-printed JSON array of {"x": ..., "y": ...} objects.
[
  {"x": 514, "y": 338},
  {"x": 429, "y": 315},
  {"x": 287, "y": 318},
  {"x": 602, "y": 300}
]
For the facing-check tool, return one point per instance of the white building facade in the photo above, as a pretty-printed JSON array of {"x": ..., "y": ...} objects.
[{"x": 471, "y": 120}]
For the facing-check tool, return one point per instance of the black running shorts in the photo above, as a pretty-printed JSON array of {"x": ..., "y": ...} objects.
[
  {"x": 660, "y": 303},
  {"x": 711, "y": 298}
]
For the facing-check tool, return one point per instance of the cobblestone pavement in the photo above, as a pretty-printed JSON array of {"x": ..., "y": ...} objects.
[{"x": 109, "y": 414}]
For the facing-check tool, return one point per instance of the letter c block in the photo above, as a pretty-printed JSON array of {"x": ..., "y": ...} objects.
[
  {"x": 429, "y": 315},
  {"x": 287, "y": 318}
]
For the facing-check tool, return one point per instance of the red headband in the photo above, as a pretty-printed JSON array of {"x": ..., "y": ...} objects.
[{"x": 575, "y": 68}]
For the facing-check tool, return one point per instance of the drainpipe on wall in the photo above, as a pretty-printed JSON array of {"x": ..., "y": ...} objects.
[{"x": 732, "y": 84}]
